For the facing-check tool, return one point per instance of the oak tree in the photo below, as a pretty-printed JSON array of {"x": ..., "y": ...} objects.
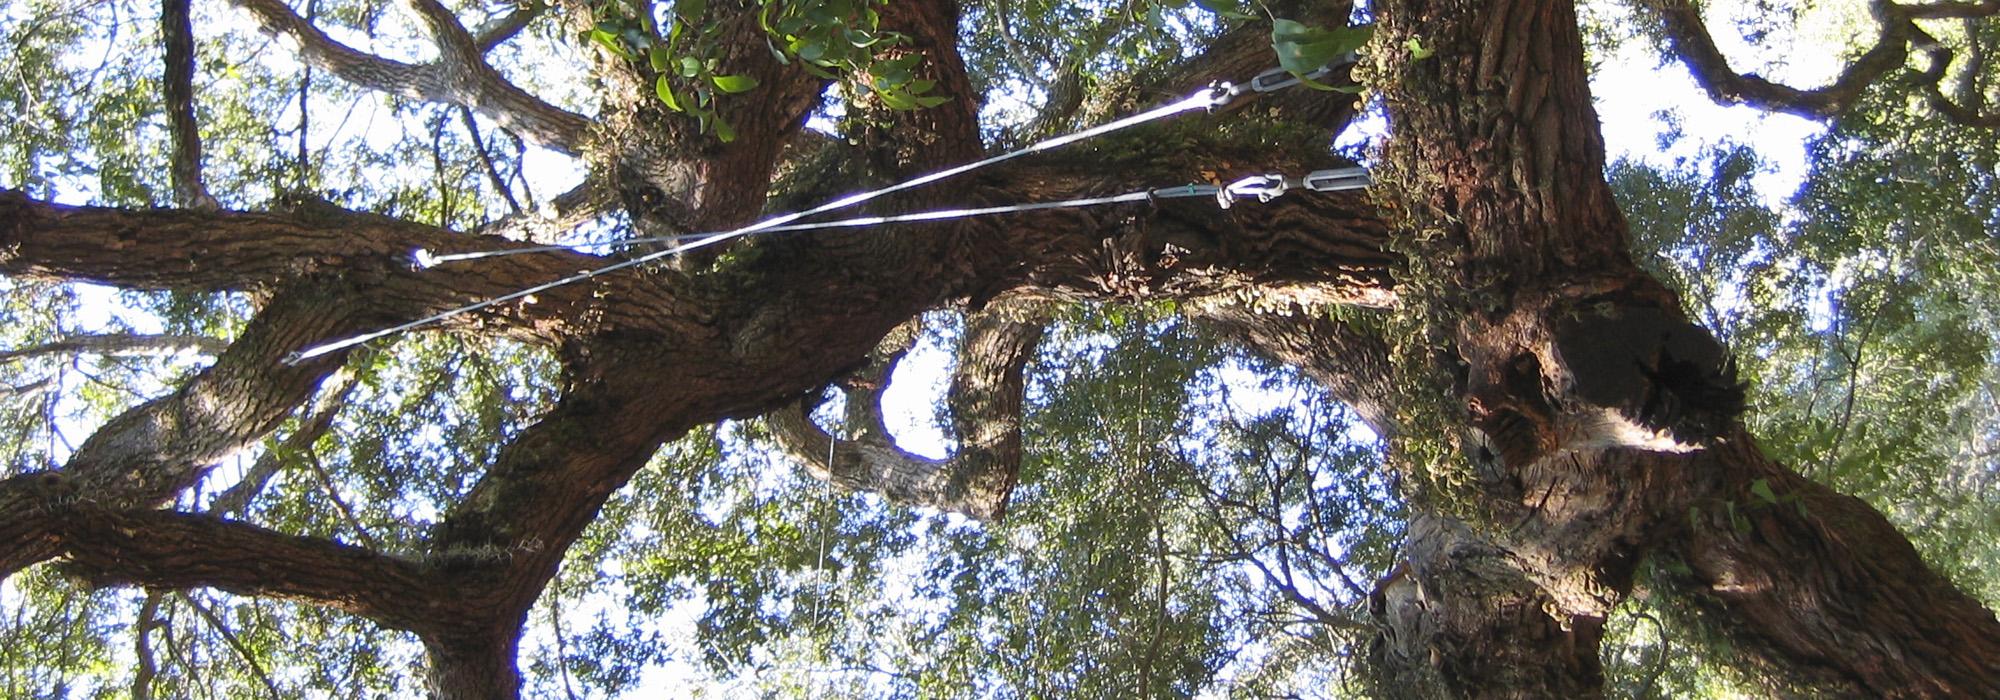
[{"x": 1564, "y": 433}]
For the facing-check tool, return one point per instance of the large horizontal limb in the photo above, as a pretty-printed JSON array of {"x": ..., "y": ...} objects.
[
  {"x": 203, "y": 251},
  {"x": 162, "y": 549},
  {"x": 120, "y": 344}
]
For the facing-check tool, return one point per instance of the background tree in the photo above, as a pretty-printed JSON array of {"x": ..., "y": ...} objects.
[{"x": 1452, "y": 435}]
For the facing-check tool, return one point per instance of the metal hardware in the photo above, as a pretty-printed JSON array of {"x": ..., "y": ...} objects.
[{"x": 1337, "y": 179}]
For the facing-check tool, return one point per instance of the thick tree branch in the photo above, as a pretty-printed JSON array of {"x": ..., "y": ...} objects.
[
  {"x": 1821, "y": 594},
  {"x": 1898, "y": 35},
  {"x": 985, "y": 407},
  {"x": 461, "y": 76},
  {"x": 151, "y": 452},
  {"x": 120, "y": 344},
  {"x": 587, "y": 202},
  {"x": 1459, "y": 619},
  {"x": 1966, "y": 110},
  {"x": 161, "y": 549},
  {"x": 497, "y": 30},
  {"x": 174, "y": 249}
]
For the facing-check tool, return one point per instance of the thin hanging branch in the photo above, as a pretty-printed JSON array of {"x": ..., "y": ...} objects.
[
  {"x": 486, "y": 159},
  {"x": 177, "y": 33},
  {"x": 496, "y": 31},
  {"x": 235, "y": 644},
  {"x": 332, "y": 491},
  {"x": 317, "y": 420},
  {"x": 142, "y": 646}
]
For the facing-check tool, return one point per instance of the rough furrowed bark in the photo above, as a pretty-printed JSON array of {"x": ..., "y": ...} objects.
[
  {"x": 479, "y": 667},
  {"x": 1584, "y": 415},
  {"x": 1458, "y": 618},
  {"x": 177, "y": 36},
  {"x": 1820, "y": 594},
  {"x": 1572, "y": 449},
  {"x": 159, "y": 549}
]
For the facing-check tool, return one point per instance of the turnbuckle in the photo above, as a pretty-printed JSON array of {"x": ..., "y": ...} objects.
[
  {"x": 1337, "y": 179},
  {"x": 1277, "y": 79}
]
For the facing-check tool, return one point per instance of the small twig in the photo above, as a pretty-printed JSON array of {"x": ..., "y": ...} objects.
[{"x": 234, "y": 643}]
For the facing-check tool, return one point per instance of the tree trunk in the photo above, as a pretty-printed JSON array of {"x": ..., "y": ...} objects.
[
  {"x": 1459, "y": 619},
  {"x": 475, "y": 667},
  {"x": 1585, "y": 423}
]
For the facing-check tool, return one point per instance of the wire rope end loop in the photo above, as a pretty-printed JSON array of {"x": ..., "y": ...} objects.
[
  {"x": 1219, "y": 93},
  {"x": 1262, "y": 187},
  {"x": 424, "y": 259}
]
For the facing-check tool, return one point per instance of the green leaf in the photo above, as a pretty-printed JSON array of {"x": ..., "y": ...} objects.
[
  {"x": 724, "y": 131},
  {"x": 1761, "y": 488},
  {"x": 1226, "y": 8},
  {"x": 690, "y": 9},
  {"x": 660, "y": 59},
  {"x": 666, "y": 93},
  {"x": 610, "y": 43},
  {"x": 809, "y": 48},
  {"x": 690, "y": 66},
  {"x": 818, "y": 72},
  {"x": 1417, "y": 50},
  {"x": 1302, "y": 48},
  {"x": 929, "y": 101},
  {"x": 895, "y": 99},
  {"x": 733, "y": 84}
]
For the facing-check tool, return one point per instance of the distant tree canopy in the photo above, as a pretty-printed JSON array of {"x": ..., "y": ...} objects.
[{"x": 1514, "y": 421}]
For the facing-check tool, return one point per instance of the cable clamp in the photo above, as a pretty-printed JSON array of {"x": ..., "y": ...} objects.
[
  {"x": 1337, "y": 179},
  {"x": 1263, "y": 187}
]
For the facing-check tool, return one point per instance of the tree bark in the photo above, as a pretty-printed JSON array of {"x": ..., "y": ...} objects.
[
  {"x": 1587, "y": 416},
  {"x": 475, "y": 668},
  {"x": 1586, "y": 421}
]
